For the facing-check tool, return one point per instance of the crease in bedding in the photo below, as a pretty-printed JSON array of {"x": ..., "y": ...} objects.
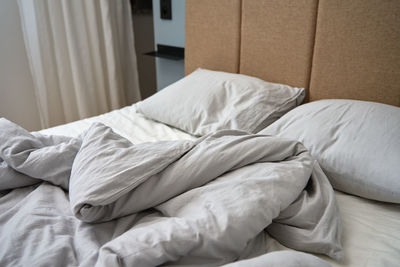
[{"x": 98, "y": 199}]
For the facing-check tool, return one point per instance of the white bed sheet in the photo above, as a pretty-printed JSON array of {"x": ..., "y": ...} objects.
[
  {"x": 128, "y": 123},
  {"x": 371, "y": 233},
  {"x": 371, "y": 229}
]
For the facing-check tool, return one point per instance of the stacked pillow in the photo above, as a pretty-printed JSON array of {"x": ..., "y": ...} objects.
[{"x": 206, "y": 101}]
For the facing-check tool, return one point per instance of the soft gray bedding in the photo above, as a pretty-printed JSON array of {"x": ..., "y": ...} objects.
[{"x": 101, "y": 200}]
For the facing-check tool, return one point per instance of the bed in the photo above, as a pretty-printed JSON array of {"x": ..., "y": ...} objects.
[
  {"x": 370, "y": 235},
  {"x": 335, "y": 49}
]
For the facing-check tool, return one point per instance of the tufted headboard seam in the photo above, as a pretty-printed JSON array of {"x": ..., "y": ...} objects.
[{"x": 335, "y": 49}]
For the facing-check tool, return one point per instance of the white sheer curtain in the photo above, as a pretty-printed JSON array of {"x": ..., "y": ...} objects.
[{"x": 81, "y": 55}]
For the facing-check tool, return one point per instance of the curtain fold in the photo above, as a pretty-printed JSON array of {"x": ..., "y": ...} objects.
[{"x": 81, "y": 56}]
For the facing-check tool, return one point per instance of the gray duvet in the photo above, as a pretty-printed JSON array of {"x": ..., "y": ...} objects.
[{"x": 101, "y": 200}]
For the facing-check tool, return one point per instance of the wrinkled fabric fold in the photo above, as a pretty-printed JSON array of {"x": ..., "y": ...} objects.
[
  {"x": 27, "y": 159},
  {"x": 214, "y": 196}
]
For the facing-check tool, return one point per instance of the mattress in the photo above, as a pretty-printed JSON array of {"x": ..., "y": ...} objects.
[{"x": 371, "y": 233}]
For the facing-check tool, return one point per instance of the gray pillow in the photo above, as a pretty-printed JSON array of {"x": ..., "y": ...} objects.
[
  {"x": 206, "y": 101},
  {"x": 357, "y": 144}
]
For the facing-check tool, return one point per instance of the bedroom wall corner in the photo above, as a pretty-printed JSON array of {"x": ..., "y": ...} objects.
[
  {"x": 17, "y": 100},
  {"x": 171, "y": 33}
]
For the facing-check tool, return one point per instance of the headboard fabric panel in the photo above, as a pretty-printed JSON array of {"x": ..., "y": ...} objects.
[
  {"x": 277, "y": 40},
  {"x": 337, "y": 49},
  {"x": 212, "y": 32},
  {"x": 357, "y": 51}
]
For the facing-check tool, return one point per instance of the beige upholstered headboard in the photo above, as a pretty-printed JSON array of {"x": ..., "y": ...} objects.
[{"x": 334, "y": 48}]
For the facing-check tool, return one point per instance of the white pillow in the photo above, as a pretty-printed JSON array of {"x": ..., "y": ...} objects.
[
  {"x": 357, "y": 144},
  {"x": 206, "y": 101}
]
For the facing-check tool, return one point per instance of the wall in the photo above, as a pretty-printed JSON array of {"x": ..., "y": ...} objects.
[
  {"x": 17, "y": 101},
  {"x": 169, "y": 32},
  {"x": 144, "y": 42}
]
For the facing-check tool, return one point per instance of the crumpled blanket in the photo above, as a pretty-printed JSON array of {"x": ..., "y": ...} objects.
[{"x": 101, "y": 200}]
